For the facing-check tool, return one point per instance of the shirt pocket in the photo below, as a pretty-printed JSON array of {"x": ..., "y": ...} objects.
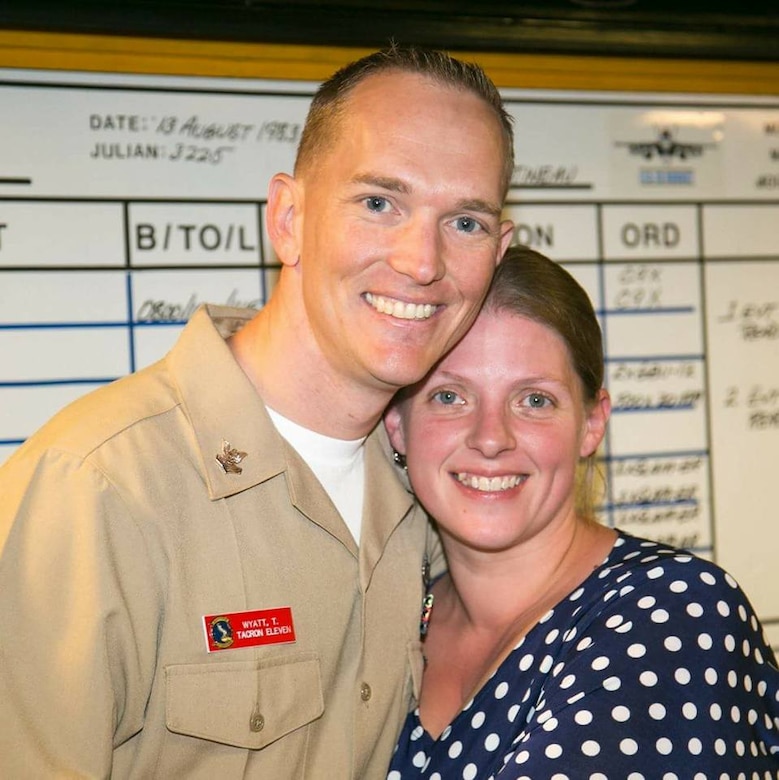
[{"x": 246, "y": 704}]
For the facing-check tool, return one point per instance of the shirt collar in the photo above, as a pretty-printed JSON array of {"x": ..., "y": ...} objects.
[{"x": 222, "y": 405}]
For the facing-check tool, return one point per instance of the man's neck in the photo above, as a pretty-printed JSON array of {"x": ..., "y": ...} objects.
[{"x": 279, "y": 354}]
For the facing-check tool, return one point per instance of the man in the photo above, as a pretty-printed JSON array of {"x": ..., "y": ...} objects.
[{"x": 188, "y": 587}]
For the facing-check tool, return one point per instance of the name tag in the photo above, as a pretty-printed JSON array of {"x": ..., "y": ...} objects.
[{"x": 231, "y": 630}]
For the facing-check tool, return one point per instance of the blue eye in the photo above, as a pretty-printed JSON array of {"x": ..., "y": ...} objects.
[
  {"x": 537, "y": 401},
  {"x": 376, "y": 203},
  {"x": 446, "y": 397},
  {"x": 467, "y": 224}
]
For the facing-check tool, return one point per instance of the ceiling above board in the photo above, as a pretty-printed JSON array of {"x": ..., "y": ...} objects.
[{"x": 646, "y": 28}]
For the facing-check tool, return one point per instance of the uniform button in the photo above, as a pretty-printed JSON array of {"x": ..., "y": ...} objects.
[
  {"x": 365, "y": 692},
  {"x": 256, "y": 722}
]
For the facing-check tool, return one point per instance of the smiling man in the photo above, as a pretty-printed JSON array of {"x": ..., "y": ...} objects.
[{"x": 210, "y": 568}]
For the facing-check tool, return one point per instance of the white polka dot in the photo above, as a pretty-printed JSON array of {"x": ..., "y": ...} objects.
[
  {"x": 551, "y": 724},
  {"x": 682, "y": 676},
  {"x": 417, "y": 733},
  {"x": 664, "y": 746},
  {"x": 551, "y": 636},
  {"x": 573, "y": 699},
  {"x": 492, "y": 742},
  {"x": 620, "y": 713},
  {"x": 576, "y": 594},
  {"x": 659, "y": 616},
  {"x": 547, "y": 617},
  {"x": 673, "y": 644},
  {"x": 708, "y": 578},
  {"x": 656, "y": 711},
  {"x": 647, "y": 602},
  {"x": 695, "y": 746},
  {"x": 455, "y": 749},
  {"x": 710, "y": 675},
  {"x": 553, "y": 751},
  {"x": 678, "y": 586},
  {"x": 689, "y": 710},
  {"x": 715, "y": 711},
  {"x": 612, "y": 683},
  {"x": 546, "y": 664},
  {"x": 446, "y": 733},
  {"x": 648, "y": 679},
  {"x": 525, "y": 662},
  {"x": 394, "y": 775},
  {"x": 521, "y": 757},
  {"x": 600, "y": 663},
  {"x": 732, "y": 679},
  {"x": 470, "y": 772},
  {"x": 513, "y": 712},
  {"x": 655, "y": 573},
  {"x": 730, "y": 643},
  {"x": 705, "y": 642},
  {"x": 719, "y": 747},
  {"x": 694, "y": 610},
  {"x": 584, "y": 643},
  {"x": 419, "y": 759},
  {"x": 723, "y": 608},
  {"x": 478, "y": 720},
  {"x": 590, "y": 747},
  {"x": 735, "y": 714},
  {"x": 729, "y": 579},
  {"x": 501, "y": 690},
  {"x": 628, "y": 747},
  {"x": 568, "y": 681},
  {"x": 559, "y": 668},
  {"x": 614, "y": 621},
  {"x": 637, "y": 651},
  {"x": 583, "y": 717},
  {"x": 635, "y": 776},
  {"x": 570, "y": 634}
]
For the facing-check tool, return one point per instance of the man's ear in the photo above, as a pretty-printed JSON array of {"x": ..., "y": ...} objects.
[
  {"x": 393, "y": 422},
  {"x": 283, "y": 216},
  {"x": 595, "y": 424}
]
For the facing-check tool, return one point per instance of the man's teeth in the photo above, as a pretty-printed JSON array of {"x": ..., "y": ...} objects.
[
  {"x": 399, "y": 309},
  {"x": 489, "y": 484}
]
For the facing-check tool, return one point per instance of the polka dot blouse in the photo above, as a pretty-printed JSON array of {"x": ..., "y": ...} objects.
[{"x": 655, "y": 667}]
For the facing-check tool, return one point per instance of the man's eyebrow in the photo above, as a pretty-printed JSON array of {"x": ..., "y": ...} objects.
[
  {"x": 382, "y": 182},
  {"x": 483, "y": 206}
]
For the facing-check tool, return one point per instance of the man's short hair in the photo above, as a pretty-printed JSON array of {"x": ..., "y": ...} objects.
[{"x": 329, "y": 103}]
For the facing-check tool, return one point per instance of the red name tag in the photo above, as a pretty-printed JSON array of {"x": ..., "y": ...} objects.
[{"x": 231, "y": 630}]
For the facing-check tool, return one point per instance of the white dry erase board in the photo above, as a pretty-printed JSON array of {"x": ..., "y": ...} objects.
[{"x": 125, "y": 201}]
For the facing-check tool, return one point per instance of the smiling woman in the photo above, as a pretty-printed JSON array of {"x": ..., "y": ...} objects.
[{"x": 555, "y": 645}]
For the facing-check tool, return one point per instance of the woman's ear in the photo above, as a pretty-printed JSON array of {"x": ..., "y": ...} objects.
[
  {"x": 595, "y": 424},
  {"x": 283, "y": 215},
  {"x": 393, "y": 422}
]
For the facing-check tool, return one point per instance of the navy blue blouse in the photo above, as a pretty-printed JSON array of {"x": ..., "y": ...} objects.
[{"x": 655, "y": 667}]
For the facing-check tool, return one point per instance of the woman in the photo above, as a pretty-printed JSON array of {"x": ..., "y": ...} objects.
[{"x": 558, "y": 647}]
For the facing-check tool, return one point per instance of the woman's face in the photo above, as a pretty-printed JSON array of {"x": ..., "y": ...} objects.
[{"x": 494, "y": 434}]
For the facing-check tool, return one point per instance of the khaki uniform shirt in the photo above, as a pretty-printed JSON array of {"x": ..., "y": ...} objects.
[{"x": 120, "y": 531}]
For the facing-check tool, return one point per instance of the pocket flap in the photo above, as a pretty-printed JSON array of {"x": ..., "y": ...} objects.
[{"x": 246, "y": 704}]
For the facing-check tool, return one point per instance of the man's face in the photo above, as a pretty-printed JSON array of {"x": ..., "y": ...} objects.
[{"x": 399, "y": 228}]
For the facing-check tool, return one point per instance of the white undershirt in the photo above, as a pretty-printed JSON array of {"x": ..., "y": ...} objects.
[{"x": 338, "y": 464}]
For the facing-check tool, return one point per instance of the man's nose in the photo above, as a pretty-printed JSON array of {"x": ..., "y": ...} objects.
[{"x": 418, "y": 252}]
